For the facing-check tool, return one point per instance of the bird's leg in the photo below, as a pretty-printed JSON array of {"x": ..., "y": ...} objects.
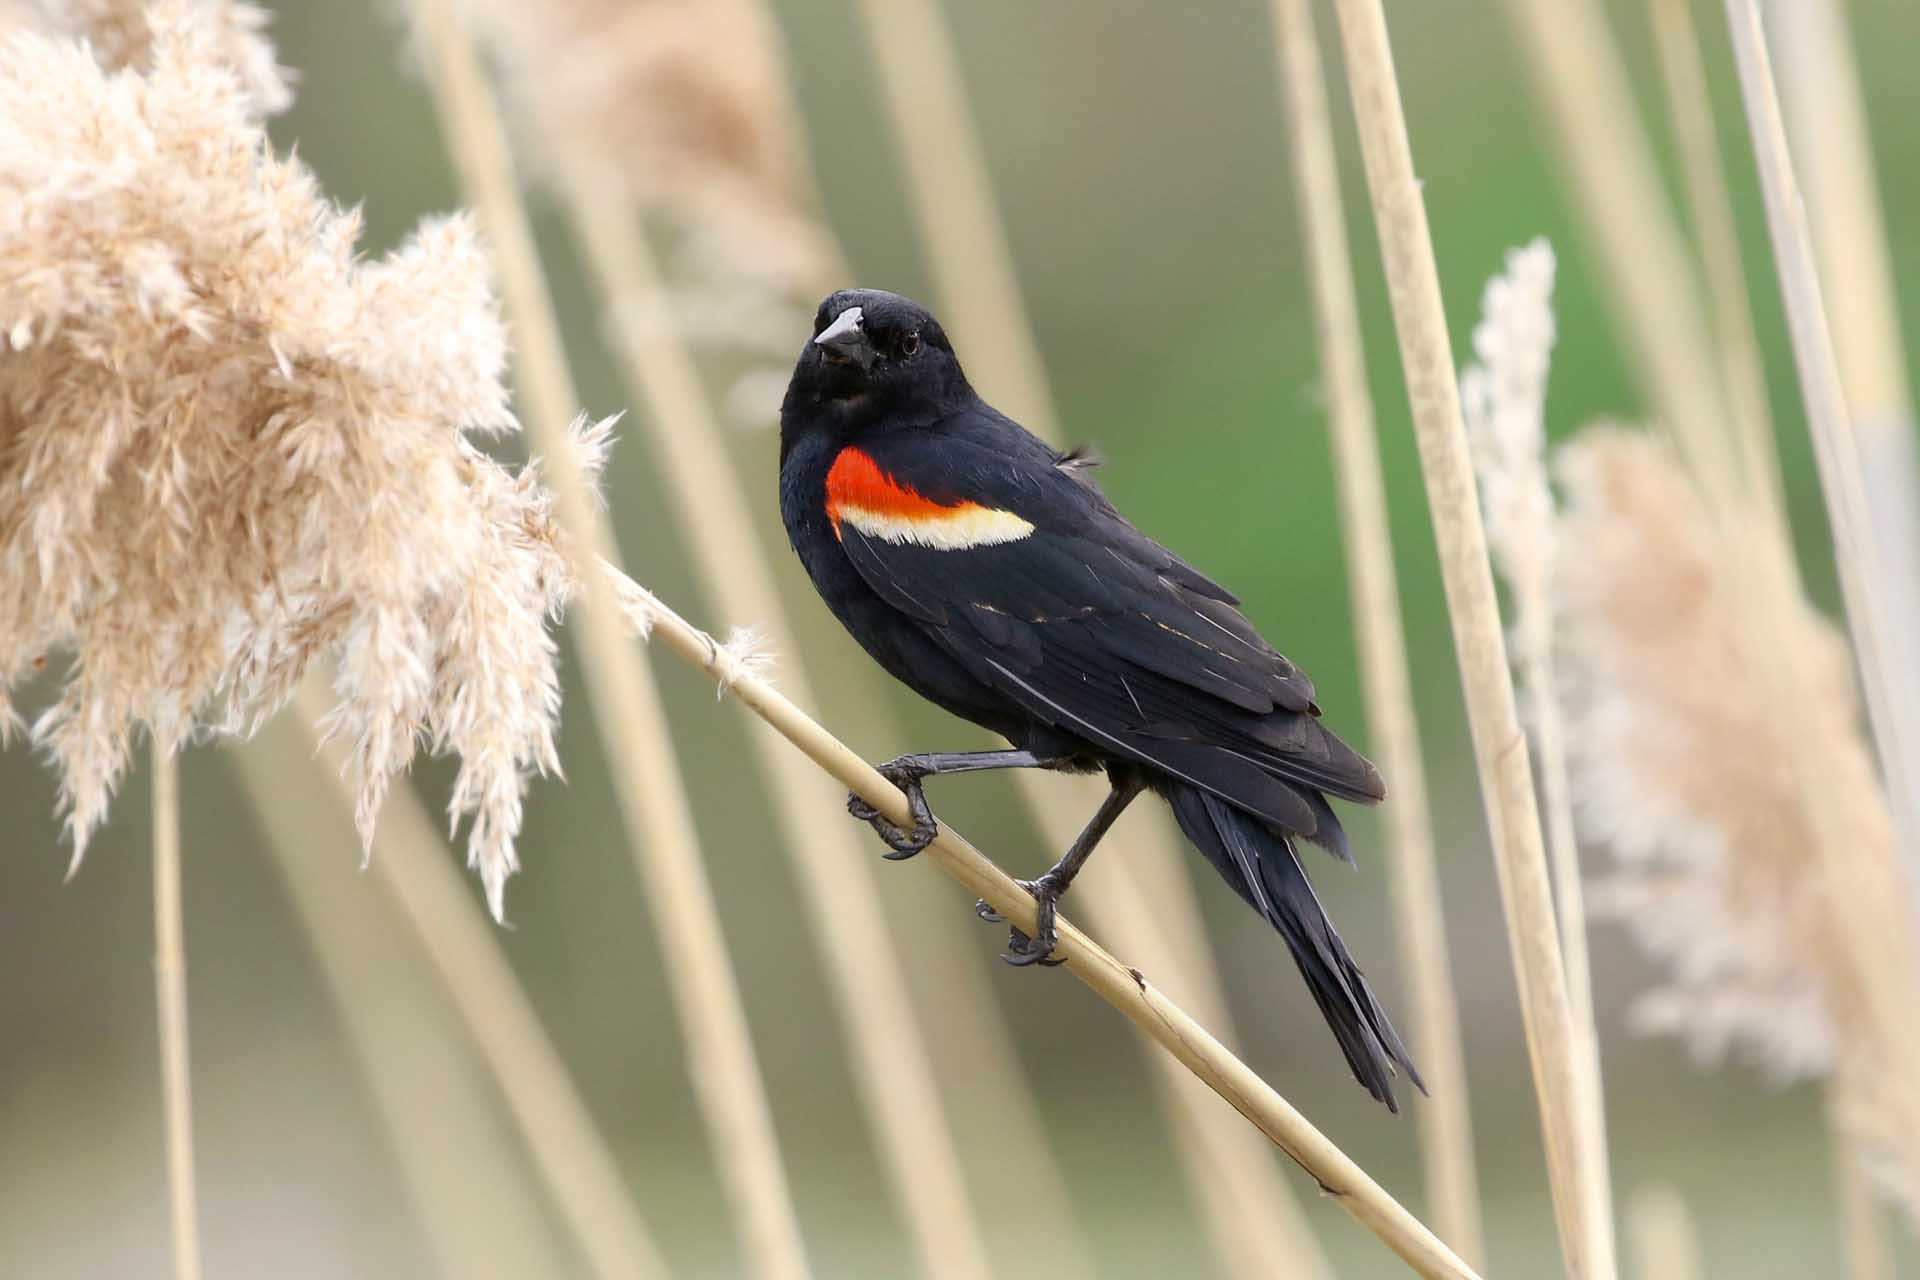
[
  {"x": 1054, "y": 882},
  {"x": 905, "y": 772}
]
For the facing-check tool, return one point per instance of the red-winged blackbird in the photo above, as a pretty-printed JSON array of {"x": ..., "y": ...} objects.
[{"x": 987, "y": 572}]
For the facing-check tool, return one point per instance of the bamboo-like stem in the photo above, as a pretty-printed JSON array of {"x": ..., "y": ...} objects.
[
  {"x": 1561, "y": 1076},
  {"x": 1580, "y": 79},
  {"x": 1863, "y": 1241},
  {"x": 1446, "y": 1127},
  {"x": 413, "y": 862},
  {"x": 974, "y": 272},
  {"x": 1127, "y": 989},
  {"x": 1258, "y": 1226},
  {"x": 170, "y": 982},
  {"x": 477, "y": 1209},
  {"x": 628, "y": 715},
  {"x": 1660, "y": 1228},
  {"x": 1704, "y": 179},
  {"x": 891, "y": 1063},
  {"x": 952, "y": 195},
  {"x": 1891, "y": 709}
]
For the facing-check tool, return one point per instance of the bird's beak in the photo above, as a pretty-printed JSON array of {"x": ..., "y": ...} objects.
[{"x": 844, "y": 340}]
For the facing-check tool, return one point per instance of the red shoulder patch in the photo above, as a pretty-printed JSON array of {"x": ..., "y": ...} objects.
[{"x": 861, "y": 493}]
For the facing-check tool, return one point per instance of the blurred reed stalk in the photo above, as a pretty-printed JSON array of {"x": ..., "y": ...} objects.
[
  {"x": 170, "y": 980},
  {"x": 1703, "y": 176},
  {"x": 1863, "y": 1238},
  {"x": 1661, "y": 1233},
  {"x": 975, "y": 274},
  {"x": 1446, "y": 1127},
  {"x": 1126, "y": 989},
  {"x": 438, "y": 1111},
  {"x": 411, "y": 860},
  {"x": 627, "y": 711},
  {"x": 951, "y": 191},
  {"x": 1873, "y": 602},
  {"x": 1563, "y": 1076},
  {"x": 1826, "y": 121},
  {"x": 834, "y": 866}
]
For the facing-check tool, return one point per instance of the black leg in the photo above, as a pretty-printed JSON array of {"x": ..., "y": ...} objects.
[
  {"x": 905, "y": 772},
  {"x": 1054, "y": 883}
]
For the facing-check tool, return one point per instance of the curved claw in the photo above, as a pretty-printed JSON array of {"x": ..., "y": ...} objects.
[
  {"x": 903, "y": 843},
  {"x": 984, "y": 909}
]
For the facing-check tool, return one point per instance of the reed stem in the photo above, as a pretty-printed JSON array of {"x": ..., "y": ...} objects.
[
  {"x": 1562, "y": 1072},
  {"x": 627, "y": 712},
  {"x": 1660, "y": 1228},
  {"x": 892, "y": 1067},
  {"x": 170, "y": 981},
  {"x": 1126, "y": 989},
  {"x": 1446, "y": 1128}
]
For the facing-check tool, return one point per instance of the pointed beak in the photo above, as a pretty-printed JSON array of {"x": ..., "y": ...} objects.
[{"x": 845, "y": 340}]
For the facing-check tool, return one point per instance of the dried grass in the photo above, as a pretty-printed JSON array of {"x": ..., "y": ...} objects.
[{"x": 229, "y": 448}]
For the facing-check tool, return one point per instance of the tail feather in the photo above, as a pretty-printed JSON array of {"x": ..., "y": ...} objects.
[{"x": 1261, "y": 865}]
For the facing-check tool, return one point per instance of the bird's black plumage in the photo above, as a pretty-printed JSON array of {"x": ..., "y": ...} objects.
[{"x": 987, "y": 571}]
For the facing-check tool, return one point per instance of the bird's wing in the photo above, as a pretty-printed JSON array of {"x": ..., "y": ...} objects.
[{"x": 1024, "y": 572}]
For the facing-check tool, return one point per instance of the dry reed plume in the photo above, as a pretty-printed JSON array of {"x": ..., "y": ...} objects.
[
  {"x": 1683, "y": 768},
  {"x": 228, "y": 448}
]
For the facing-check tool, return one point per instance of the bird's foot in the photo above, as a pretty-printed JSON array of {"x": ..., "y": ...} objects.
[
  {"x": 1023, "y": 950},
  {"x": 905, "y": 772}
]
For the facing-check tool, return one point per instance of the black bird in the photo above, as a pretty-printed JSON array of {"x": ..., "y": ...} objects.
[{"x": 987, "y": 572}]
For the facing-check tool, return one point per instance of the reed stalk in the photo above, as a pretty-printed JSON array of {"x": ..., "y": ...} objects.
[
  {"x": 974, "y": 272},
  {"x": 438, "y": 1112},
  {"x": 584, "y": 1179},
  {"x": 1872, "y": 609},
  {"x": 1563, "y": 1077},
  {"x": 1125, "y": 988},
  {"x": 951, "y": 191},
  {"x": 1446, "y": 1127},
  {"x": 631, "y": 722},
  {"x": 1660, "y": 1229},
  {"x": 894, "y": 1071},
  {"x": 1863, "y": 1239},
  {"x": 1704, "y": 180},
  {"x": 170, "y": 981}
]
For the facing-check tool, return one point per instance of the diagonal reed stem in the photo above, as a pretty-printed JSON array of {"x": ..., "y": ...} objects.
[
  {"x": 1562, "y": 1074},
  {"x": 1446, "y": 1128},
  {"x": 648, "y": 787},
  {"x": 1126, "y": 989},
  {"x": 889, "y": 1053},
  {"x": 170, "y": 981}
]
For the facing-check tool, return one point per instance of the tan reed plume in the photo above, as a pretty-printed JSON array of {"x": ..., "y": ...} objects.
[
  {"x": 1780, "y": 911},
  {"x": 177, "y": 296},
  {"x": 1446, "y": 1128},
  {"x": 966, "y": 246},
  {"x": 648, "y": 787},
  {"x": 1126, "y": 988},
  {"x": 1563, "y": 1076},
  {"x": 638, "y": 67}
]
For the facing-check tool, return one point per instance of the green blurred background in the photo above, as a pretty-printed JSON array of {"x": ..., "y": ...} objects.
[{"x": 1138, "y": 152}]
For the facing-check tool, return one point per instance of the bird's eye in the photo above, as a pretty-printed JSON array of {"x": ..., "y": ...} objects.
[{"x": 910, "y": 343}]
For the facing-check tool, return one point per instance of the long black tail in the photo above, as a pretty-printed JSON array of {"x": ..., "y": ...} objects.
[{"x": 1261, "y": 865}]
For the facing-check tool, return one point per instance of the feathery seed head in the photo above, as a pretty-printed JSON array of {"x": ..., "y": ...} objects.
[{"x": 228, "y": 449}]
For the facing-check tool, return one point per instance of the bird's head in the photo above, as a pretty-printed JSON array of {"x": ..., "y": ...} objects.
[{"x": 874, "y": 358}]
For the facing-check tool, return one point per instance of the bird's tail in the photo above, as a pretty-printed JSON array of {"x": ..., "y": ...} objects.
[{"x": 1261, "y": 865}]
